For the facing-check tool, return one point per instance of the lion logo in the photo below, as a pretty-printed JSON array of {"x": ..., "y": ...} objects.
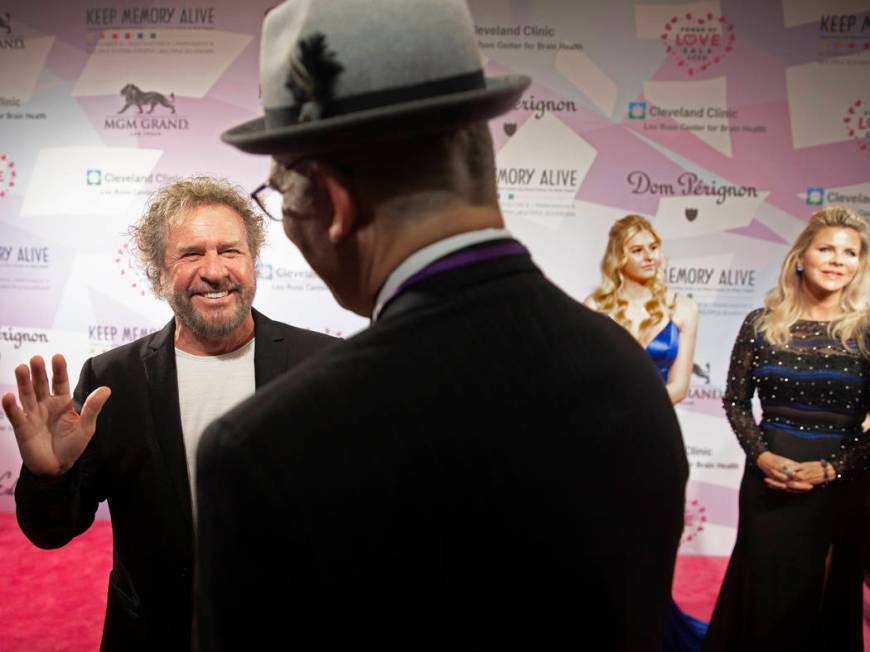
[
  {"x": 702, "y": 372},
  {"x": 133, "y": 95}
]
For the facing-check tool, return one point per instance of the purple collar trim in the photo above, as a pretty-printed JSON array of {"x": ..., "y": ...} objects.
[{"x": 459, "y": 259}]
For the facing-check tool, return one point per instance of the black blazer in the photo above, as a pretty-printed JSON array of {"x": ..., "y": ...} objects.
[
  {"x": 136, "y": 461},
  {"x": 490, "y": 465}
]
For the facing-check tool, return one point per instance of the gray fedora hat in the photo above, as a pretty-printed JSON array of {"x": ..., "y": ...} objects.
[{"x": 337, "y": 73}]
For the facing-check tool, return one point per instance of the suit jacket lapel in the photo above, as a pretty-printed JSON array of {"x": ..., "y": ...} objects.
[
  {"x": 271, "y": 354},
  {"x": 159, "y": 361},
  {"x": 271, "y": 359}
]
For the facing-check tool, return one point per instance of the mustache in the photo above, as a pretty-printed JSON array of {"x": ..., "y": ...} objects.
[{"x": 213, "y": 287}]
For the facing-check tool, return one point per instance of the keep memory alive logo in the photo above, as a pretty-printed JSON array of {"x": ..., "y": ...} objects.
[
  {"x": 145, "y": 30},
  {"x": 115, "y": 334},
  {"x": 843, "y": 34},
  {"x": 8, "y": 39},
  {"x": 142, "y": 119},
  {"x": 698, "y": 41}
]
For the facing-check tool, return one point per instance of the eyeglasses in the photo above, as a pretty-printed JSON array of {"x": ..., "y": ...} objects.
[
  {"x": 269, "y": 200},
  {"x": 269, "y": 196}
]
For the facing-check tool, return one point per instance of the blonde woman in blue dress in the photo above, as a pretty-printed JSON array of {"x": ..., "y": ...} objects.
[{"x": 665, "y": 323}]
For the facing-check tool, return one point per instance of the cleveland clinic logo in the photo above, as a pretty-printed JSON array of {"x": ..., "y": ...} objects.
[
  {"x": 637, "y": 110},
  {"x": 8, "y": 176},
  {"x": 815, "y": 196},
  {"x": 698, "y": 41}
]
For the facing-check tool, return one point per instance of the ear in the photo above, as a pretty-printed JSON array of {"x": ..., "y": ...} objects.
[
  {"x": 340, "y": 200},
  {"x": 157, "y": 280}
]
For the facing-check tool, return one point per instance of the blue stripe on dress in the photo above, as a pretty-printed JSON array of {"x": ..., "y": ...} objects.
[
  {"x": 803, "y": 434},
  {"x": 812, "y": 408},
  {"x": 814, "y": 374}
]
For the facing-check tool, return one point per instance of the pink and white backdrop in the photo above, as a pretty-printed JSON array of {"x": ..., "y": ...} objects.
[{"x": 726, "y": 123}]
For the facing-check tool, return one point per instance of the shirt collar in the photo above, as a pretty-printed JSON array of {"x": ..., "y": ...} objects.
[{"x": 427, "y": 255}]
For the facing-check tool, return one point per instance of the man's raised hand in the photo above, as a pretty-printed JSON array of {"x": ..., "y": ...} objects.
[{"x": 51, "y": 435}]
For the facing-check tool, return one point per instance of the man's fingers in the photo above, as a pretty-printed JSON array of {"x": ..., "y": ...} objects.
[
  {"x": 59, "y": 378},
  {"x": 93, "y": 404},
  {"x": 13, "y": 412},
  {"x": 39, "y": 377},
  {"x": 25, "y": 388}
]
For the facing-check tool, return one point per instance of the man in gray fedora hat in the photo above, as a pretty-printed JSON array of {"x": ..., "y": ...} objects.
[{"x": 490, "y": 463}]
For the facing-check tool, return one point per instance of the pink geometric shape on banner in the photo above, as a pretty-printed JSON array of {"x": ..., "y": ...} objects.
[
  {"x": 698, "y": 41},
  {"x": 715, "y": 503},
  {"x": 857, "y": 123}
]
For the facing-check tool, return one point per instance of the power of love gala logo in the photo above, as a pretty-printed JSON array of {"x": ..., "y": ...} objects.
[
  {"x": 857, "y": 121},
  {"x": 697, "y": 42},
  {"x": 129, "y": 268},
  {"x": 7, "y": 174},
  {"x": 694, "y": 520}
]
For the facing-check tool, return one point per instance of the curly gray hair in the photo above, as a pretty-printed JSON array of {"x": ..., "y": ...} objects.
[{"x": 170, "y": 202}]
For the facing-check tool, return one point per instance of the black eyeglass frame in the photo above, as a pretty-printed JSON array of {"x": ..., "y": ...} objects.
[{"x": 287, "y": 167}]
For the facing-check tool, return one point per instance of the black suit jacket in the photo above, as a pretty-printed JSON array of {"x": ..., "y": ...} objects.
[
  {"x": 490, "y": 465},
  {"x": 136, "y": 461}
]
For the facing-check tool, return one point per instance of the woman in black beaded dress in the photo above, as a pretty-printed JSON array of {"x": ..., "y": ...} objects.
[{"x": 794, "y": 581}]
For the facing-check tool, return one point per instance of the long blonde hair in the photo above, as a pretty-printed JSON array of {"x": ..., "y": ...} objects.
[
  {"x": 606, "y": 296},
  {"x": 783, "y": 305}
]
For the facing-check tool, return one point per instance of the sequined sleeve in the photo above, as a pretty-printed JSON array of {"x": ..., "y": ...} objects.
[
  {"x": 739, "y": 390},
  {"x": 854, "y": 460}
]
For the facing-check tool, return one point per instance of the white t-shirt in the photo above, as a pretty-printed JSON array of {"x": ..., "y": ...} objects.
[{"x": 209, "y": 386}]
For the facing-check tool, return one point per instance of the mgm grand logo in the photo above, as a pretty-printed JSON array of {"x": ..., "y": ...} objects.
[
  {"x": 8, "y": 40},
  {"x": 704, "y": 389},
  {"x": 141, "y": 120}
]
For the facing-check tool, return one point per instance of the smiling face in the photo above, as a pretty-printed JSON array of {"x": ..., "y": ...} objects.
[
  {"x": 208, "y": 277},
  {"x": 642, "y": 257},
  {"x": 831, "y": 260}
]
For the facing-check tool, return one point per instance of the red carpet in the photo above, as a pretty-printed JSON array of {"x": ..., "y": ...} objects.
[{"x": 54, "y": 600}]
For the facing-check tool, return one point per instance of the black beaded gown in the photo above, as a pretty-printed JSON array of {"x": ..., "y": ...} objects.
[{"x": 814, "y": 395}]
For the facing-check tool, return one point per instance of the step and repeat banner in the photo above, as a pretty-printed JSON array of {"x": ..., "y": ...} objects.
[{"x": 725, "y": 123}]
